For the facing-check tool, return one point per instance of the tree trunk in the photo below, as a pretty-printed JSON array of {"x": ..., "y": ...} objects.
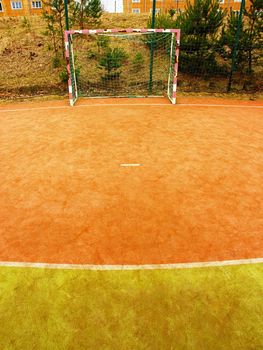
[
  {"x": 81, "y": 15},
  {"x": 250, "y": 47},
  {"x": 62, "y": 34}
]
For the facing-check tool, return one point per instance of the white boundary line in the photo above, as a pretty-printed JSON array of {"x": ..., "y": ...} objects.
[
  {"x": 132, "y": 267},
  {"x": 128, "y": 104},
  {"x": 131, "y": 164}
]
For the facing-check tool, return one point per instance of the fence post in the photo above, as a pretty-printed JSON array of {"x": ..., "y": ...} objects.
[
  {"x": 152, "y": 50},
  {"x": 66, "y": 14},
  {"x": 235, "y": 47}
]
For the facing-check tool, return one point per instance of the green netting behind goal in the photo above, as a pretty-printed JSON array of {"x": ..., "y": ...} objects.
[{"x": 122, "y": 64}]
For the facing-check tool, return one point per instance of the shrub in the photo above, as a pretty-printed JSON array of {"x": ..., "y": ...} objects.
[
  {"x": 138, "y": 61},
  {"x": 56, "y": 62},
  {"x": 111, "y": 60},
  {"x": 63, "y": 75},
  {"x": 172, "y": 12},
  {"x": 26, "y": 23},
  {"x": 162, "y": 20},
  {"x": 102, "y": 42},
  {"x": 91, "y": 55}
]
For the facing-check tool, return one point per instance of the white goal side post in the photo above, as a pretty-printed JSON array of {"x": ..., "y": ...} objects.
[{"x": 122, "y": 63}]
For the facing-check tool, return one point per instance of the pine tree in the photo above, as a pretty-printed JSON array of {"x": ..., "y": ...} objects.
[
  {"x": 250, "y": 38},
  {"x": 85, "y": 13},
  {"x": 254, "y": 17},
  {"x": 111, "y": 60},
  {"x": 199, "y": 24},
  {"x": 226, "y": 43},
  {"x": 54, "y": 16}
]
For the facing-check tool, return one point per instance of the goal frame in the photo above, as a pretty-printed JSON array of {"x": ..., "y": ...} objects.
[{"x": 72, "y": 83}]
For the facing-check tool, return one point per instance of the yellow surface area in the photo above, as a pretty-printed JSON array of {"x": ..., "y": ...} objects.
[{"x": 200, "y": 308}]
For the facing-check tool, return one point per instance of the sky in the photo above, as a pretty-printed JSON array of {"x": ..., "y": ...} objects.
[{"x": 109, "y": 5}]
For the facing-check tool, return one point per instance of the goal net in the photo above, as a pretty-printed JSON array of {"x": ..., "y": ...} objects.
[{"x": 122, "y": 63}]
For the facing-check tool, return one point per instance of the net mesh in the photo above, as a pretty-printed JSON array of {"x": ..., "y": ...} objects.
[{"x": 122, "y": 64}]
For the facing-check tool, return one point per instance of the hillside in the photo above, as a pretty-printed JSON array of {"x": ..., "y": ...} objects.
[
  {"x": 26, "y": 58},
  {"x": 28, "y": 69}
]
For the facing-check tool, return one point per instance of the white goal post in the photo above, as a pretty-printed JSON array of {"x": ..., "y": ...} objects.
[{"x": 122, "y": 62}]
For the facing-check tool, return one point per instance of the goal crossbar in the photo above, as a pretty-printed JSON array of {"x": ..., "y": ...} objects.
[{"x": 173, "y": 53}]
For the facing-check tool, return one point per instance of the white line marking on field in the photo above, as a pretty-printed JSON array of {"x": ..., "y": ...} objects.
[
  {"x": 133, "y": 267},
  {"x": 216, "y": 105},
  {"x": 128, "y": 105},
  {"x": 132, "y": 164}
]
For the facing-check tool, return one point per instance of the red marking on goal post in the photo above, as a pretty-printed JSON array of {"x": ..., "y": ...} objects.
[{"x": 176, "y": 62}]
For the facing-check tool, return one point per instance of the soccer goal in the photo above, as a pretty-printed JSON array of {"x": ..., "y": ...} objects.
[{"x": 122, "y": 63}]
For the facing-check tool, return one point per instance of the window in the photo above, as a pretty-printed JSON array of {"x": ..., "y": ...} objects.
[
  {"x": 237, "y": 0},
  {"x": 1, "y": 7},
  {"x": 16, "y": 5},
  {"x": 136, "y": 0},
  {"x": 156, "y": 10},
  {"x": 135, "y": 10},
  {"x": 36, "y": 4}
]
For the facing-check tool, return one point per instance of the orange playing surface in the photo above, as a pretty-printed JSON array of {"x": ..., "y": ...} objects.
[{"x": 64, "y": 198}]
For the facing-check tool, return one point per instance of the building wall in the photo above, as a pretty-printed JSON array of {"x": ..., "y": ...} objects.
[
  {"x": 145, "y": 6},
  {"x": 129, "y": 6},
  {"x": 26, "y": 10}
]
